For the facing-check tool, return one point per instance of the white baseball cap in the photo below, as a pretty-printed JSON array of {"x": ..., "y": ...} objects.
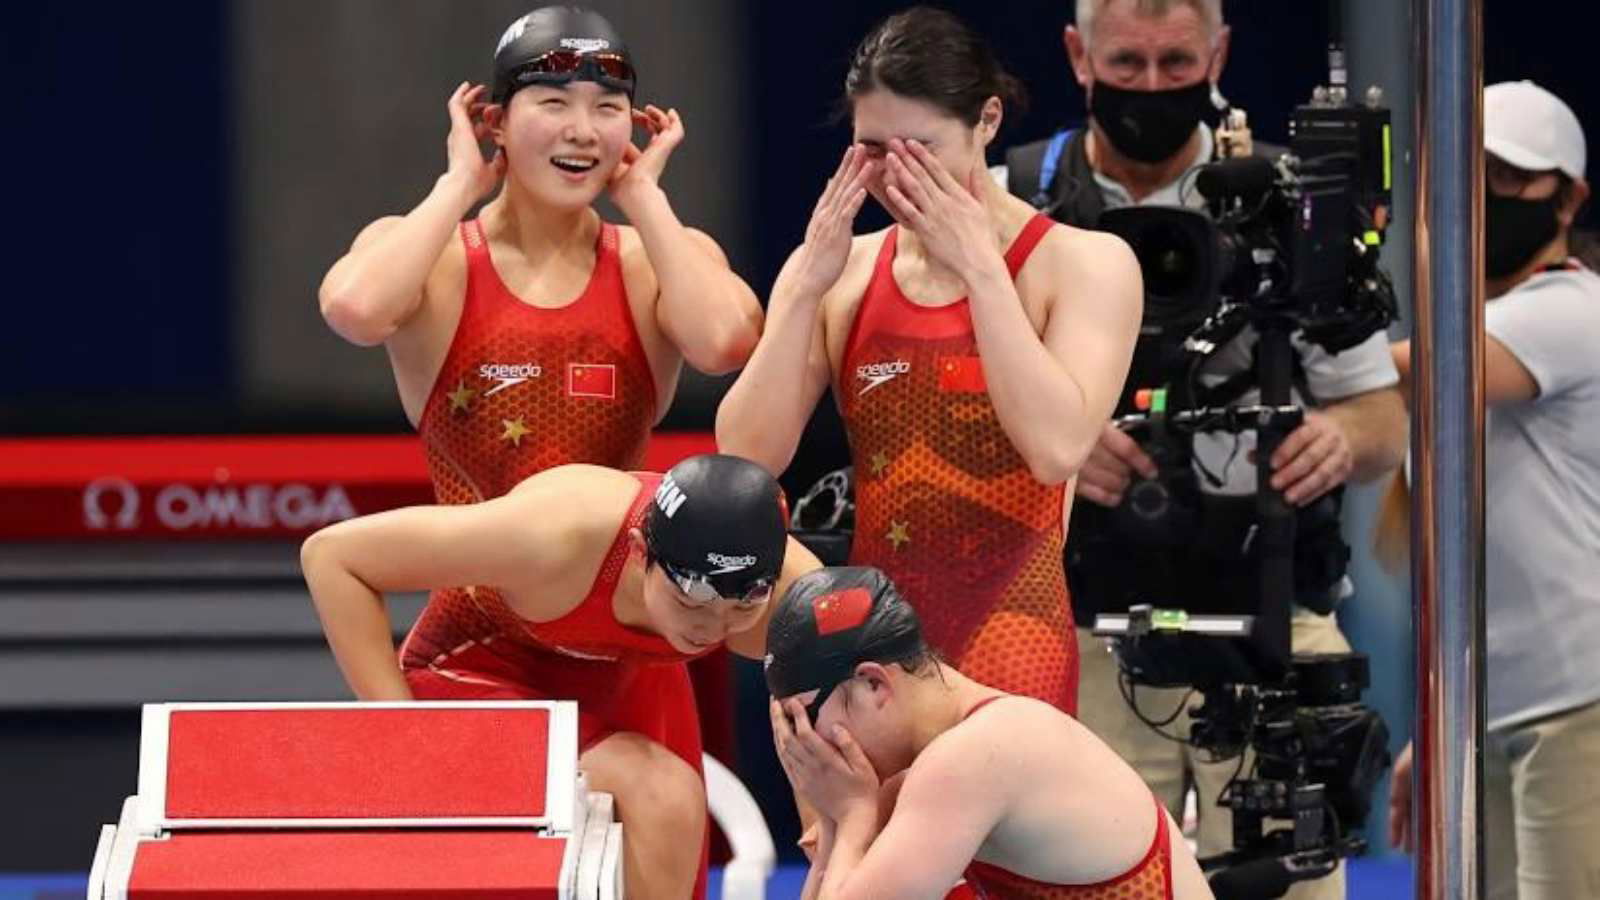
[{"x": 1530, "y": 128}]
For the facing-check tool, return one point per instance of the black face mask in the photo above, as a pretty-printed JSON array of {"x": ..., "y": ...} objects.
[
  {"x": 1516, "y": 229},
  {"x": 1150, "y": 126}
]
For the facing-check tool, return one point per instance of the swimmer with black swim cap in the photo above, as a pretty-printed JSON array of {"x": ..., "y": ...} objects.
[
  {"x": 591, "y": 585},
  {"x": 557, "y": 45},
  {"x": 1020, "y": 800},
  {"x": 718, "y": 530}
]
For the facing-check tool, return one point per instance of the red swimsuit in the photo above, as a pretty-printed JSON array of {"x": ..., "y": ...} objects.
[{"x": 944, "y": 503}]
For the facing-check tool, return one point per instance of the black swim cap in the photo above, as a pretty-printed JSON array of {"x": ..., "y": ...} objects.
[
  {"x": 829, "y": 622},
  {"x": 719, "y": 519},
  {"x": 557, "y": 44}
]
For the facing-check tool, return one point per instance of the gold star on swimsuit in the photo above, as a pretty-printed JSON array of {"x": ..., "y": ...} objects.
[
  {"x": 461, "y": 397},
  {"x": 515, "y": 431},
  {"x": 898, "y": 535},
  {"x": 880, "y": 461}
]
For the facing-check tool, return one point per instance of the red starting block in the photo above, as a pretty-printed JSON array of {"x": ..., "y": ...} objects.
[{"x": 457, "y": 801}]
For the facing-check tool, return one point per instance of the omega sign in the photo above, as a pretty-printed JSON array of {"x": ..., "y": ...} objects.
[{"x": 117, "y": 504}]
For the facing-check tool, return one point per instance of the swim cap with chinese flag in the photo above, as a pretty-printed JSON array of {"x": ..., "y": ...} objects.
[
  {"x": 832, "y": 620},
  {"x": 841, "y": 611}
]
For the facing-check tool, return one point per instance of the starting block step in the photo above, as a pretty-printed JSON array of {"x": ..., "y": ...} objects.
[
  {"x": 377, "y": 801},
  {"x": 393, "y": 865},
  {"x": 327, "y": 765}
]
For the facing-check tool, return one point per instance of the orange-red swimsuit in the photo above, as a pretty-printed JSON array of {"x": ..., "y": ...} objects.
[{"x": 944, "y": 503}]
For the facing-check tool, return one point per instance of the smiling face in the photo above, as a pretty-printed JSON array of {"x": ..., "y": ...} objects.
[{"x": 564, "y": 141}]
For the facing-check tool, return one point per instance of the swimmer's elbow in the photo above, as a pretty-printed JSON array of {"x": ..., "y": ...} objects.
[
  {"x": 320, "y": 557},
  {"x": 721, "y": 354},
  {"x": 353, "y": 316},
  {"x": 738, "y": 435},
  {"x": 1054, "y": 464},
  {"x": 724, "y": 343},
  {"x": 313, "y": 554}
]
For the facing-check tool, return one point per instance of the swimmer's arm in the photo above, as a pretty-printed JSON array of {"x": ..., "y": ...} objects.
[
  {"x": 765, "y": 411},
  {"x": 818, "y": 853},
  {"x": 797, "y": 561},
  {"x": 949, "y": 804},
  {"x": 703, "y": 307},
  {"x": 349, "y": 567},
  {"x": 377, "y": 286},
  {"x": 1053, "y": 396}
]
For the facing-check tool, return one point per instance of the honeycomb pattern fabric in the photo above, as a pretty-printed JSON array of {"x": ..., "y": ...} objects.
[
  {"x": 523, "y": 389},
  {"x": 1151, "y": 879},
  {"x": 944, "y": 503}
]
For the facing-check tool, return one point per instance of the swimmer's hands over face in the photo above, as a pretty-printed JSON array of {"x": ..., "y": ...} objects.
[
  {"x": 834, "y": 776},
  {"x": 640, "y": 170},
  {"x": 946, "y": 215},
  {"x": 464, "y": 145},
  {"x": 822, "y": 257}
]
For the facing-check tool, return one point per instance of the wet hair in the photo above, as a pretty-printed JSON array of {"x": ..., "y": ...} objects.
[
  {"x": 832, "y": 620},
  {"x": 931, "y": 55}
]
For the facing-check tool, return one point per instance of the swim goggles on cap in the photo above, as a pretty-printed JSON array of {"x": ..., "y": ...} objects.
[
  {"x": 698, "y": 587},
  {"x": 611, "y": 70}
]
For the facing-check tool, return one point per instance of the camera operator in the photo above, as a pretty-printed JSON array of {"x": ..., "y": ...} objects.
[
  {"x": 1541, "y": 800},
  {"x": 1149, "y": 68}
]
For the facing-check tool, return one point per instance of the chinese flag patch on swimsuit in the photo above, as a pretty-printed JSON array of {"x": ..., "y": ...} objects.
[
  {"x": 961, "y": 375},
  {"x": 592, "y": 380},
  {"x": 841, "y": 610}
]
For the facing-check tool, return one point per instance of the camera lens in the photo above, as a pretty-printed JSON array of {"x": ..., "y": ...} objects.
[{"x": 1149, "y": 500}]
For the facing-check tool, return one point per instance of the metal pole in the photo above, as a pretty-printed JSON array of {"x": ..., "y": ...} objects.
[{"x": 1447, "y": 437}]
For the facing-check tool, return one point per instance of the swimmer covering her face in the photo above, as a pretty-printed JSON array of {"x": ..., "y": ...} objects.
[
  {"x": 921, "y": 775},
  {"x": 975, "y": 349}
]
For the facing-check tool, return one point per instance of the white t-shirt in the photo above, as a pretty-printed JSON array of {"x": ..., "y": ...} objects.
[
  {"x": 1362, "y": 368},
  {"x": 1542, "y": 505}
]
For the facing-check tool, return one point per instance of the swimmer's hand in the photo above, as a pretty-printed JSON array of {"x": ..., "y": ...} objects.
[
  {"x": 834, "y": 775},
  {"x": 464, "y": 146},
  {"x": 640, "y": 170},
  {"x": 946, "y": 215},
  {"x": 822, "y": 257}
]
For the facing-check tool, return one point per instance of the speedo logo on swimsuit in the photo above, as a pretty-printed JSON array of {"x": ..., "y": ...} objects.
[
  {"x": 585, "y": 45},
  {"x": 729, "y": 564},
  {"x": 877, "y": 374},
  {"x": 508, "y": 375},
  {"x": 669, "y": 496}
]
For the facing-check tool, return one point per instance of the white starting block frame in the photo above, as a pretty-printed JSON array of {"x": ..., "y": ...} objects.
[{"x": 583, "y": 821}]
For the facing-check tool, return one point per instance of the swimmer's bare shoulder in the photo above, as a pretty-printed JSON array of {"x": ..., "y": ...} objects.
[{"x": 565, "y": 522}]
